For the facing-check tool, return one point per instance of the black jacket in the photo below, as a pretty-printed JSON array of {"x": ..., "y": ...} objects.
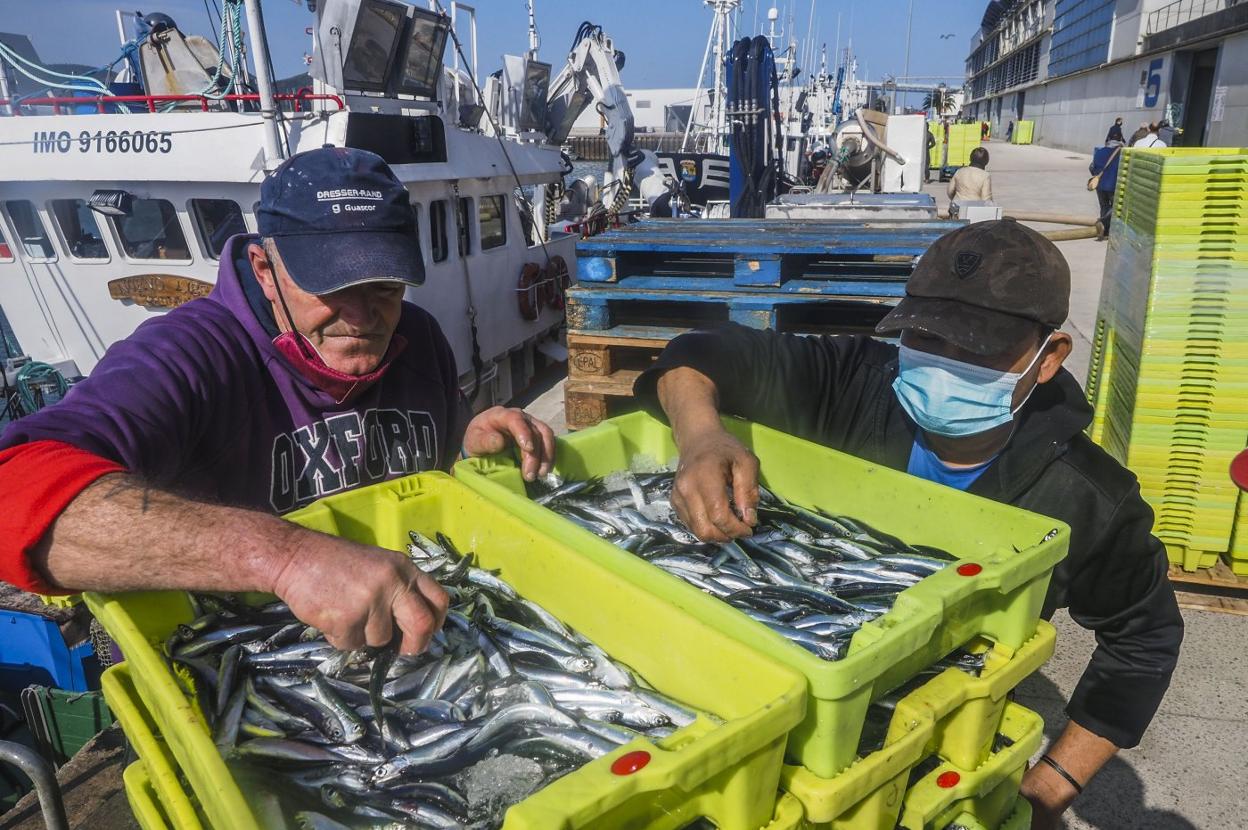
[{"x": 837, "y": 391}]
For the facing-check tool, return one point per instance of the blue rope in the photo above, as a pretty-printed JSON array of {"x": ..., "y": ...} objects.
[
  {"x": 234, "y": 10},
  {"x": 38, "y": 374}
]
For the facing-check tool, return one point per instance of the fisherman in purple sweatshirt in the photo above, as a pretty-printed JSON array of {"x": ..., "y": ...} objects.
[{"x": 303, "y": 373}]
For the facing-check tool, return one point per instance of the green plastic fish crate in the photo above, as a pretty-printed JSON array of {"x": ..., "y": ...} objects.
[
  {"x": 788, "y": 814},
  {"x": 999, "y": 594},
  {"x": 1018, "y": 819},
  {"x": 176, "y": 808},
  {"x": 988, "y": 792},
  {"x": 1237, "y": 554},
  {"x": 143, "y": 799},
  {"x": 150, "y": 792},
  {"x": 954, "y": 715},
  {"x": 728, "y": 773}
]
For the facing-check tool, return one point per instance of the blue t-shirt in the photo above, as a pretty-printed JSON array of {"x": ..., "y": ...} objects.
[{"x": 926, "y": 464}]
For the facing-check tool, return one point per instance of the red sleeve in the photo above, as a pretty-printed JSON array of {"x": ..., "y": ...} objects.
[{"x": 38, "y": 480}]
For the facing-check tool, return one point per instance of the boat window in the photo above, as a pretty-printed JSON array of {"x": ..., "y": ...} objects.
[
  {"x": 217, "y": 220},
  {"x": 437, "y": 229},
  {"x": 31, "y": 236},
  {"x": 416, "y": 225},
  {"x": 491, "y": 213},
  {"x": 152, "y": 231},
  {"x": 463, "y": 226},
  {"x": 79, "y": 229},
  {"x": 6, "y": 253}
]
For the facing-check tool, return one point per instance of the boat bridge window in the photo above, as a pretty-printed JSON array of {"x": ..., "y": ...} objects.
[
  {"x": 463, "y": 226},
  {"x": 152, "y": 231},
  {"x": 31, "y": 236},
  {"x": 492, "y": 214},
  {"x": 80, "y": 231},
  {"x": 437, "y": 230},
  {"x": 217, "y": 220},
  {"x": 416, "y": 226}
]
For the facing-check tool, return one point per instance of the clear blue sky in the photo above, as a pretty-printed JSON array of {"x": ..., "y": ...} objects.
[{"x": 664, "y": 39}]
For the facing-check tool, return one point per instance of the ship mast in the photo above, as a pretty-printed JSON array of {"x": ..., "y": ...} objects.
[
  {"x": 273, "y": 154},
  {"x": 535, "y": 40},
  {"x": 717, "y": 45}
]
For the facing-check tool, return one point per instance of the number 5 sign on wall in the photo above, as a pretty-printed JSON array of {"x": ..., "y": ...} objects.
[{"x": 1150, "y": 84}]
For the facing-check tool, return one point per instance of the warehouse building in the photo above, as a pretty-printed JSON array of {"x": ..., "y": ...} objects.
[{"x": 1072, "y": 66}]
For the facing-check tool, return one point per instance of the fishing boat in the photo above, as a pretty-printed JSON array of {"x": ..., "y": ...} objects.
[{"x": 121, "y": 186}]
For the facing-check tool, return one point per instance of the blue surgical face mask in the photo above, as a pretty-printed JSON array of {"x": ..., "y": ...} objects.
[{"x": 954, "y": 399}]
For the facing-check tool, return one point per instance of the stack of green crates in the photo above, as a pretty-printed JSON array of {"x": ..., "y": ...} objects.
[
  {"x": 956, "y": 747},
  {"x": 1169, "y": 368},
  {"x": 936, "y": 152},
  {"x": 962, "y": 139},
  {"x": 1023, "y": 132}
]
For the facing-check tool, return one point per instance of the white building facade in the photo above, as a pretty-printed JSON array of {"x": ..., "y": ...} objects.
[{"x": 1073, "y": 66}]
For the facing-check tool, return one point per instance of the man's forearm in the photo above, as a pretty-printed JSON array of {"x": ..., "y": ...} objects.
[
  {"x": 690, "y": 401},
  {"x": 1078, "y": 751},
  {"x": 121, "y": 535}
]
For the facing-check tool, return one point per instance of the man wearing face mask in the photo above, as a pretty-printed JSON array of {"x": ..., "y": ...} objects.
[
  {"x": 303, "y": 374},
  {"x": 974, "y": 398}
]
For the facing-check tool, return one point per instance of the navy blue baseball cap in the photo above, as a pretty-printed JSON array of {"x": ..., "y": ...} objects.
[{"x": 340, "y": 217}]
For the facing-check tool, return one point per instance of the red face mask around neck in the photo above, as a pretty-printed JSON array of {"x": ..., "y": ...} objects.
[{"x": 302, "y": 355}]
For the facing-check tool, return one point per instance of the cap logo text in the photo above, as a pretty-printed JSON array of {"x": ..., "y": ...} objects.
[{"x": 965, "y": 263}]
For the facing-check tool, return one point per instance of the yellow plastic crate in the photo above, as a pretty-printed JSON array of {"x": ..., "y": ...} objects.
[
  {"x": 1018, "y": 819},
  {"x": 999, "y": 598},
  {"x": 141, "y": 795},
  {"x": 728, "y": 773},
  {"x": 177, "y": 810},
  {"x": 989, "y": 792},
  {"x": 953, "y": 715}
]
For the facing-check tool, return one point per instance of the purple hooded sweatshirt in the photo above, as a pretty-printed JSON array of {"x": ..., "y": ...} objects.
[{"x": 199, "y": 401}]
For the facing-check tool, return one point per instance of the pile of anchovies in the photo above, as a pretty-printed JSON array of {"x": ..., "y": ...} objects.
[
  {"x": 812, "y": 577},
  {"x": 505, "y": 700}
]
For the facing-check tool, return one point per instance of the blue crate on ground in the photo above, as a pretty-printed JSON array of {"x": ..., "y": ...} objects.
[
  {"x": 33, "y": 652},
  {"x": 852, "y": 258}
]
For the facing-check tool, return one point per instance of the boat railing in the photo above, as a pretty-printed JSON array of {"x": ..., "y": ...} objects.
[{"x": 152, "y": 103}]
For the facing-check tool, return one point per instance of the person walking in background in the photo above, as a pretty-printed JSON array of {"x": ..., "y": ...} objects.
[
  {"x": 983, "y": 131},
  {"x": 1151, "y": 138},
  {"x": 1115, "y": 132},
  {"x": 1009, "y": 132},
  {"x": 927, "y": 155},
  {"x": 972, "y": 183},
  {"x": 1138, "y": 134},
  {"x": 1104, "y": 170}
]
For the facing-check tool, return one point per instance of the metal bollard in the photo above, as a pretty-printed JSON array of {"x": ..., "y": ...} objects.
[{"x": 42, "y": 775}]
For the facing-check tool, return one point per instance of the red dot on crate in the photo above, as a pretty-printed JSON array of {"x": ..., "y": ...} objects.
[
  {"x": 948, "y": 779},
  {"x": 630, "y": 763},
  {"x": 970, "y": 569}
]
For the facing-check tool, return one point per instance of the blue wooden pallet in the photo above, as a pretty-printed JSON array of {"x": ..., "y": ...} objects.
[
  {"x": 602, "y": 308},
  {"x": 813, "y": 256}
]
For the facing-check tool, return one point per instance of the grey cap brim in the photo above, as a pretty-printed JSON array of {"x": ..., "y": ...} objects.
[
  {"x": 978, "y": 330},
  {"x": 322, "y": 262}
]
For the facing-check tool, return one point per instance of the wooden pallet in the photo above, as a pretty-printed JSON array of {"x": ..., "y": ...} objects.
[
  {"x": 763, "y": 253},
  {"x": 1211, "y": 589},
  {"x": 602, "y": 309},
  {"x": 603, "y": 365}
]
